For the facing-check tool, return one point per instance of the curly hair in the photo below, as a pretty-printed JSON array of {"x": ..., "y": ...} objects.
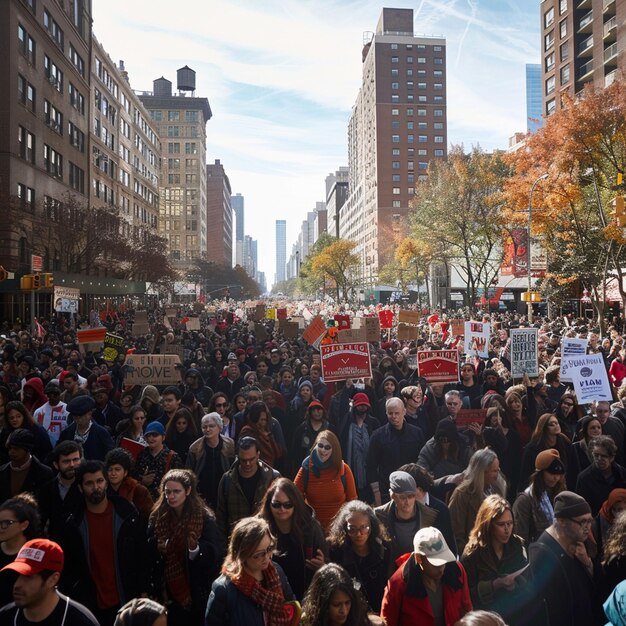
[
  {"x": 328, "y": 580},
  {"x": 193, "y": 502},
  {"x": 491, "y": 508},
  {"x": 338, "y": 533},
  {"x": 615, "y": 546}
]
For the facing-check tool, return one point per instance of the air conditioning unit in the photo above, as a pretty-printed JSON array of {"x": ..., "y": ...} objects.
[{"x": 52, "y": 80}]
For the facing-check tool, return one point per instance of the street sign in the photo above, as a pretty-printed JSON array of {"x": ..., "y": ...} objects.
[{"x": 36, "y": 263}]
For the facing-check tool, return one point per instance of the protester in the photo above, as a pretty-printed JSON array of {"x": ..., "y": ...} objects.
[
  {"x": 142, "y": 612},
  {"x": 181, "y": 432},
  {"x": 18, "y": 416}
]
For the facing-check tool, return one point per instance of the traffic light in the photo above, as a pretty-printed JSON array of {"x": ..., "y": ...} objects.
[
  {"x": 48, "y": 280},
  {"x": 37, "y": 282},
  {"x": 26, "y": 282}
]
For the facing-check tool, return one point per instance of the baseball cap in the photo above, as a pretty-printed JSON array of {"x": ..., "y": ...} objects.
[
  {"x": 155, "y": 427},
  {"x": 429, "y": 542},
  {"x": 361, "y": 399},
  {"x": 36, "y": 556}
]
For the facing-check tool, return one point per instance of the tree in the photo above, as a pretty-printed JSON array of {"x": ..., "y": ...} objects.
[
  {"x": 455, "y": 216},
  {"x": 582, "y": 147},
  {"x": 337, "y": 263},
  {"x": 310, "y": 282}
]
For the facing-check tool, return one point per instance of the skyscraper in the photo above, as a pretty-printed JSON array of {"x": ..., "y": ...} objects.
[
  {"x": 237, "y": 202},
  {"x": 281, "y": 250},
  {"x": 219, "y": 215},
  {"x": 534, "y": 110},
  {"x": 579, "y": 46},
  {"x": 398, "y": 125}
]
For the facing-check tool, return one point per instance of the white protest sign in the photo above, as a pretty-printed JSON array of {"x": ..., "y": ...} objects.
[
  {"x": 591, "y": 382},
  {"x": 524, "y": 352},
  {"x": 477, "y": 338},
  {"x": 570, "y": 347}
]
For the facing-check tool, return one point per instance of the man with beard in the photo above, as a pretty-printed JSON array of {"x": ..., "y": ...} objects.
[
  {"x": 60, "y": 496},
  {"x": 103, "y": 544}
]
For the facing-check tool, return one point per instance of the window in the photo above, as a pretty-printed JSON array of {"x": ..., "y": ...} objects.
[
  {"x": 26, "y": 142},
  {"x": 438, "y": 152},
  {"x": 395, "y": 152},
  {"x": 550, "y": 106},
  {"x": 395, "y": 124},
  {"x": 191, "y": 116},
  {"x": 438, "y": 86},
  {"x": 422, "y": 138},
  {"x": 77, "y": 100},
  {"x": 422, "y": 125},
  {"x": 437, "y": 98},
  {"x": 410, "y": 178},
  {"x": 422, "y": 165},
  {"x": 395, "y": 111},
  {"x": 421, "y": 60},
  {"x": 409, "y": 72},
  {"x": 548, "y": 40},
  {"x": 173, "y": 179},
  {"x": 77, "y": 137},
  {"x": 564, "y": 51},
  {"x": 421, "y": 112},
  {"x": 53, "y": 73},
  {"x": 394, "y": 46},
  {"x": 438, "y": 138},
  {"x": 409, "y": 59},
  {"x": 437, "y": 48},
  {"x": 395, "y": 85},
  {"x": 77, "y": 178},
  {"x": 409, "y": 85},
  {"x": 191, "y": 148},
  {"x": 410, "y": 190},
  {"x": 562, "y": 6},
  {"x": 395, "y": 138},
  {"x": 422, "y": 152},
  {"x": 409, "y": 138},
  {"x": 173, "y": 131},
  {"x": 395, "y": 98},
  {"x": 550, "y": 84},
  {"x": 565, "y": 75},
  {"x": 409, "y": 112},
  {"x": 173, "y": 148},
  {"x": 394, "y": 59},
  {"x": 438, "y": 125},
  {"x": 438, "y": 61},
  {"x": 438, "y": 73},
  {"x": 563, "y": 29},
  {"x": 157, "y": 116},
  {"x": 421, "y": 85},
  {"x": 26, "y": 44},
  {"x": 395, "y": 178},
  {"x": 409, "y": 125},
  {"x": 53, "y": 28},
  {"x": 396, "y": 204},
  {"x": 410, "y": 166},
  {"x": 422, "y": 98},
  {"x": 173, "y": 164},
  {"x": 173, "y": 116},
  {"x": 76, "y": 60},
  {"x": 53, "y": 161},
  {"x": 27, "y": 197},
  {"x": 26, "y": 93},
  {"x": 395, "y": 72},
  {"x": 395, "y": 165},
  {"x": 548, "y": 18},
  {"x": 438, "y": 112},
  {"x": 53, "y": 117},
  {"x": 550, "y": 62},
  {"x": 409, "y": 46},
  {"x": 410, "y": 97},
  {"x": 396, "y": 191}
]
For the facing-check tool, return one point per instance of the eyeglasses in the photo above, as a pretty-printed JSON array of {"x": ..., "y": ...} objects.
[
  {"x": 358, "y": 530},
  {"x": 219, "y": 404},
  {"x": 287, "y": 505},
  {"x": 585, "y": 523},
  {"x": 324, "y": 446},
  {"x": 7, "y": 523},
  {"x": 263, "y": 553}
]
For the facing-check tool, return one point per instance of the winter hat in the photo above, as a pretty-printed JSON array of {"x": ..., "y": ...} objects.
[
  {"x": 21, "y": 438},
  {"x": 402, "y": 482},
  {"x": 360, "y": 399},
  {"x": 550, "y": 461},
  {"x": 446, "y": 428},
  {"x": 80, "y": 405},
  {"x": 568, "y": 504},
  {"x": 305, "y": 383},
  {"x": 151, "y": 393}
]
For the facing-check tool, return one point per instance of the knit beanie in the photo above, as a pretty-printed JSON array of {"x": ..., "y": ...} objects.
[{"x": 568, "y": 505}]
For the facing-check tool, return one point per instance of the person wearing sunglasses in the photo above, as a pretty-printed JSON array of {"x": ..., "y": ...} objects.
[
  {"x": 300, "y": 545},
  {"x": 252, "y": 590},
  {"x": 221, "y": 404},
  {"x": 325, "y": 481}
]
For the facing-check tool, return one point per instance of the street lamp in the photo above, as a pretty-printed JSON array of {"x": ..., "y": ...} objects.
[{"x": 528, "y": 243}]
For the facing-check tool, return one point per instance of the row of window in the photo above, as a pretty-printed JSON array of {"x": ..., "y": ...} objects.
[
  {"x": 182, "y": 131},
  {"x": 174, "y": 116},
  {"x": 420, "y": 138},
  {"x": 420, "y": 60},
  {"x": 421, "y": 125},
  {"x": 420, "y": 112},
  {"x": 409, "y": 72},
  {"x": 174, "y": 164},
  {"x": 410, "y": 85},
  {"x": 419, "y": 46},
  {"x": 395, "y": 98},
  {"x": 190, "y": 148},
  {"x": 106, "y": 78}
]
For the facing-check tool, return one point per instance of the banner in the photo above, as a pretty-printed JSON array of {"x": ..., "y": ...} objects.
[
  {"x": 409, "y": 317},
  {"x": 91, "y": 335},
  {"x": 386, "y": 318},
  {"x": 477, "y": 338},
  {"x": 439, "y": 366},
  {"x": 570, "y": 347},
  {"x": 113, "y": 347},
  {"x": 343, "y": 321},
  {"x": 66, "y": 299},
  {"x": 524, "y": 357},
  {"x": 470, "y": 416},
  {"x": 345, "y": 360},
  {"x": 151, "y": 369},
  {"x": 591, "y": 382},
  {"x": 457, "y": 327}
]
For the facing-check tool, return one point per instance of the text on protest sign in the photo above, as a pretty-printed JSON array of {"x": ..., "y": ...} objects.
[
  {"x": 439, "y": 366},
  {"x": 151, "y": 369},
  {"x": 470, "y": 416},
  {"x": 113, "y": 347},
  {"x": 570, "y": 347},
  {"x": 591, "y": 382},
  {"x": 345, "y": 360},
  {"x": 524, "y": 357},
  {"x": 477, "y": 338}
]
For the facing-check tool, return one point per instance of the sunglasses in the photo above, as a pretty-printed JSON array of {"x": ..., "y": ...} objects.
[
  {"x": 324, "y": 446},
  {"x": 287, "y": 505},
  {"x": 263, "y": 553}
]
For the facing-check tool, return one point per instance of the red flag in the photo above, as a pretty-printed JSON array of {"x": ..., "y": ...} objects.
[{"x": 41, "y": 331}]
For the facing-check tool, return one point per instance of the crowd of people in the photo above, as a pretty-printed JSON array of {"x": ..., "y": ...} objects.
[{"x": 256, "y": 492}]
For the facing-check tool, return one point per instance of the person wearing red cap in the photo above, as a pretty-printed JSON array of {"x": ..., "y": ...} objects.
[{"x": 38, "y": 566}]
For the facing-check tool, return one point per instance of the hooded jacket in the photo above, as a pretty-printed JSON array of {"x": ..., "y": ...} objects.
[
  {"x": 39, "y": 397},
  {"x": 201, "y": 391}
]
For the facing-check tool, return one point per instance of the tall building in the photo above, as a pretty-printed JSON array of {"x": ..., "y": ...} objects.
[
  {"x": 336, "y": 196},
  {"x": 534, "y": 109},
  {"x": 181, "y": 120},
  {"x": 281, "y": 250},
  {"x": 219, "y": 215},
  {"x": 238, "y": 208},
  {"x": 250, "y": 256},
  {"x": 398, "y": 125},
  {"x": 579, "y": 46}
]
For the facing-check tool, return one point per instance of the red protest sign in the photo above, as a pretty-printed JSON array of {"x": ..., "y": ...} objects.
[
  {"x": 91, "y": 335},
  {"x": 314, "y": 330},
  {"x": 386, "y": 318},
  {"x": 470, "y": 416},
  {"x": 439, "y": 366},
  {"x": 345, "y": 360},
  {"x": 343, "y": 321}
]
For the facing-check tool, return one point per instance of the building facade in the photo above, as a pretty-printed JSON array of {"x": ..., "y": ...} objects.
[
  {"x": 238, "y": 208},
  {"x": 336, "y": 196},
  {"x": 582, "y": 43},
  {"x": 181, "y": 121},
  {"x": 219, "y": 216},
  {"x": 534, "y": 109},
  {"x": 398, "y": 125},
  {"x": 281, "y": 250}
]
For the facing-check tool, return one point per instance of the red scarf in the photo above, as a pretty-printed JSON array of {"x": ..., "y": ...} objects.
[{"x": 267, "y": 594}]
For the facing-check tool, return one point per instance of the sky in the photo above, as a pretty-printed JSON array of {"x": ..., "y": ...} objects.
[{"x": 281, "y": 77}]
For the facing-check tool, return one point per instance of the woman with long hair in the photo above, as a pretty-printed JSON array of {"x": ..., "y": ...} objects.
[
  {"x": 614, "y": 558},
  {"x": 482, "y": 478},
  {"x": 533, "y": 508},
  {"x": 252, "y": 589},
  {"x": 492, "y": 559},
  {"x": 498, "y": 418},
  {"x": 18, "y": 416},
  {"x": 518, "y": 417},
  {"x": 360, "y": 544},
  {"x": 547, "y": 435},
  {"x": 567, "y": 413},
  {"x": 332, "y": 600},
  {"x": 187, "y": 548},
  {"x": 610, "y": 510},
  {"x": 132, "y": 428},
  {"x": 300, "y": 545},
  {"x": 325, "y": 481},
  {"x": 181, "y": 432},
  {"x": 446, "y": 452},
  {"x": 257, "y": 425},
  {"x": 221, "y": 404},
  {"x": 588, "y": 428}
]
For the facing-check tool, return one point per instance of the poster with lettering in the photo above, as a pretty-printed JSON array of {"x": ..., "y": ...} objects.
[
  {"x": 524, "y": 357},
  {"x": 570, "y": 347},
  {"x": 439, "y": 366},
  {"x": 345, "y": 360},
  {"x": 113, "y": 347},
  {"x": 152, "y": 369},
  {"x": 591, "y": 381},
  {"x": 477, "y": 338}
]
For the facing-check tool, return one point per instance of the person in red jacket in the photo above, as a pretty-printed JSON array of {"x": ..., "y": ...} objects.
[{"x": 429, "y": 587}]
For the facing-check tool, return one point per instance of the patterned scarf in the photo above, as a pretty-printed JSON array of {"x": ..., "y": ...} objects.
[
  {"x": 267, "y": 594},
  {"x": 173, "y": 531}
]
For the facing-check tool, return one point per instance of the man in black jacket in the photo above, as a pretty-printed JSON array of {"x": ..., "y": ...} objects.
[{"x": 104, "y": 546}]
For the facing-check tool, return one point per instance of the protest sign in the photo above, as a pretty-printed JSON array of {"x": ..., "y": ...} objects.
[
  {"x": 66, "y": 299},
  {"x": 113, "y": 347},
  {"x": 270, "y": 314},
  {"x": 591, "y": 381},
  {"x": 477, "y": 338},
  {"x": 386, "y": 318},
  {"x": 411, "y": 361},
  {"x": 314, "y": 330},
  {"x": 406, "y": 332},
  {"x": 259, "y": 312},
  {"x": 91, "y": 335},
  {"x": 345, "y": 360},
  {"x": 457, "y": 327},
  {"x": 170, "y": 312},
  {"x": 299, "y": 320},
  {"x": 470, "y": 416},
  {"x": 281, "y": 314},
  {"x": 151, "y": 369},
  {"x": 409, "y": 317},
  {"x": 193, "y": 323},
  {"x": 290, "y": 329},
  {"x": 372, "y": 329},
  {"x": 439, "y": 366},
  {"x": 570, "y": 347},
  {"x": 351, "y": 335},
  {"x": 260, "y": 332},
  {"x": 524, "y": 357},
  {"x": 343, "y": 321},
  {"x": 139, "y": 330}
]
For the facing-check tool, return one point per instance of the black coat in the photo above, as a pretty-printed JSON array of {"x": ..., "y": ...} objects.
[
  {"x": 54, "y": 511},
  {"x": 97, "y": 445},
  {"x": 37, "y": 475},
  {"x": 594, "y": 488}
]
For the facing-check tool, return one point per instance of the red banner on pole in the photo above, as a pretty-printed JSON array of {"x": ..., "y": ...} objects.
[
  {"x": 345, "y": 360},
  {"x": 439, "y": 366}
]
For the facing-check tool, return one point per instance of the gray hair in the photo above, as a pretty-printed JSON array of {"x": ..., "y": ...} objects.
[
  {"x": 453, "y": 393},
  {"x": 216, "y": 418},
  {"x": 603, "y": 441},
  {"x": 393, "y": 401}
]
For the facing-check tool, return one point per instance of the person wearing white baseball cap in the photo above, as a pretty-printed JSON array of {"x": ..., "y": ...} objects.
[
  {"x": 429, "y": 587},
  {"x": 36, "y": 571}
]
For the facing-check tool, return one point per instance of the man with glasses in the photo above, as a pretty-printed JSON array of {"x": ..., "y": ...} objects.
[
  {"x": 242, "y": 488},
  {"x": 561, "y": 571},
  {"x": 603, "y": 475},
  {"x": 52, "y": 416}
]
